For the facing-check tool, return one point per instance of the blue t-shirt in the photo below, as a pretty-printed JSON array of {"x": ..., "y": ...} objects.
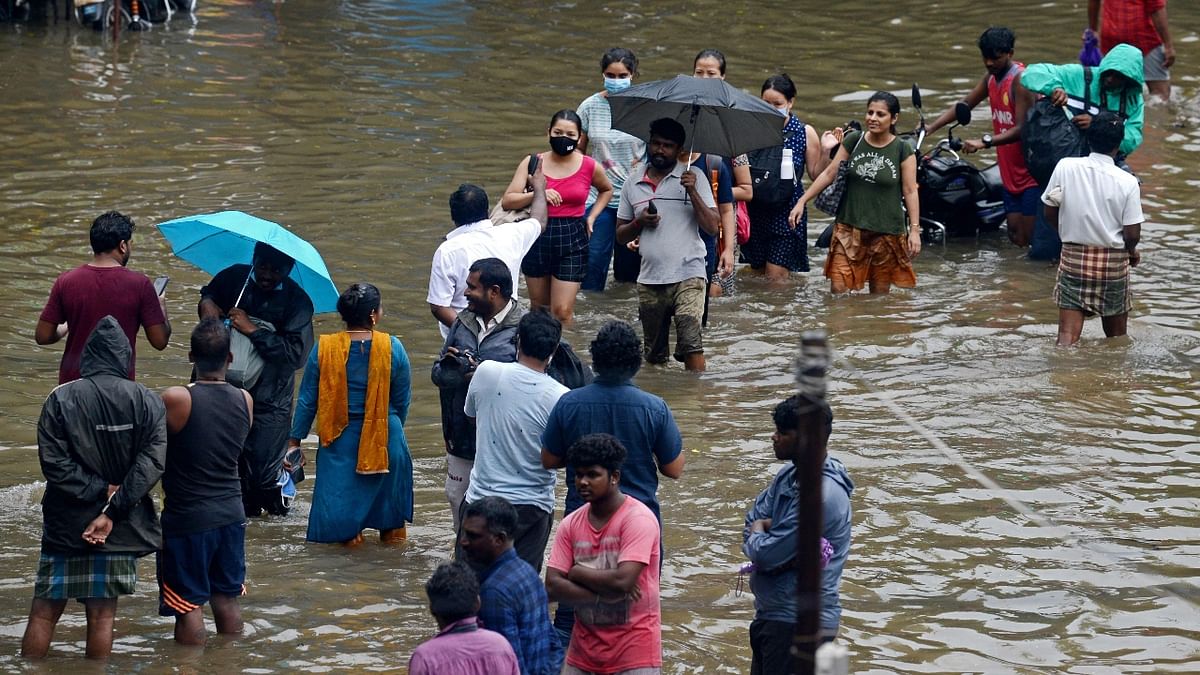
[{"x": 641, "y": 421}]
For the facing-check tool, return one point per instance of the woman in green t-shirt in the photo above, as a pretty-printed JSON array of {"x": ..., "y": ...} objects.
[{"x": 872, "y": 243}]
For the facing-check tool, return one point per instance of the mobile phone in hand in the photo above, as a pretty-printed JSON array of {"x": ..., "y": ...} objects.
[{"x": 160, "y": 284}]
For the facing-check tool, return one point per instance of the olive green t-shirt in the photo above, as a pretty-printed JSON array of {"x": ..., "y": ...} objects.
[{"x": 873, "y": 187}]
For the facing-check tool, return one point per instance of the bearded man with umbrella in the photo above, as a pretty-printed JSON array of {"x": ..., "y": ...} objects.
[
  {"x": 665, "y": 205},
  {"x": 264, "y": 291}
]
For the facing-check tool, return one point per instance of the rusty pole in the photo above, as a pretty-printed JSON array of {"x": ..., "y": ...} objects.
[{"x": 811, "y": 372}]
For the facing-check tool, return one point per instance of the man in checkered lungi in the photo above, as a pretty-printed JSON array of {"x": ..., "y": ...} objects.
[
  {"x": 1097, "y": 209},
  {"x": 102, "y": 441}
]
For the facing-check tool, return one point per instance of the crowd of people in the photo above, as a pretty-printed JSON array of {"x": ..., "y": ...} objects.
[{"x": 517, "y": 403}]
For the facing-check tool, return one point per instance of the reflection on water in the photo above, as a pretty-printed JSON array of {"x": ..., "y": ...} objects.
[{"x": 353, "y": 121}]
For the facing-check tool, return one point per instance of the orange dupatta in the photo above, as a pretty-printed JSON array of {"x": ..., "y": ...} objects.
[{"x": 333, "y": 407}]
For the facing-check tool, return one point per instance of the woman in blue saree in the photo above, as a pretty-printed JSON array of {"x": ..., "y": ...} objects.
[{"x": 357, "y": 387}]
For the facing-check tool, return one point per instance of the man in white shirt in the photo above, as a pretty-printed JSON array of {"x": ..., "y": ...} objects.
[
  {"x": 1096, "y": 208},
  {"x": 475, "y": 238},
  {"x": 511, "y": 403}
]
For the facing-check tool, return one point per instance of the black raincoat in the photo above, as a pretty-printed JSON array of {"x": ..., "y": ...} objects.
[{"x": 99, "y": 430}]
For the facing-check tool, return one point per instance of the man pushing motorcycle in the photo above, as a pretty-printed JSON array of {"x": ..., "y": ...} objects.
[{"x": 1021, "y": 191}]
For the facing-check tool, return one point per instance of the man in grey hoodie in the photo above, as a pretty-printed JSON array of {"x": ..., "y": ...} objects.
[
  {"x": 102, "y": 442},
  {"x": 769, "y": 541}
]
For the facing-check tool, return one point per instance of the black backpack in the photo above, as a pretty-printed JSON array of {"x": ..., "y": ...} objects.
[
  {"x": 765, "y": 170},
  {"x": 1048, "y": 135},
  {"x": 566, "y": 368}
]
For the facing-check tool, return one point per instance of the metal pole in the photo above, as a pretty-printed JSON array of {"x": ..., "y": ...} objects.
[{"x": 809, "y": 458}]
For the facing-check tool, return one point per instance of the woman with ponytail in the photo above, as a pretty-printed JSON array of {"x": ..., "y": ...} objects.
[{"x": 357, "y": 386}]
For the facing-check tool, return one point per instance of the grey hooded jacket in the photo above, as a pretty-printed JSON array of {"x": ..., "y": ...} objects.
[{"x": 99, "y": 430}]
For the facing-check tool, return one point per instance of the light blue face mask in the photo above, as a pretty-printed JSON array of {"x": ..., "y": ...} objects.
[{"x": 616, "y": 85}]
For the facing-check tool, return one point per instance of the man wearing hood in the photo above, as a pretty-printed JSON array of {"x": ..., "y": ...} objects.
[
  {"x": 769, "y": 541},
  {"x": 102, "y": 441},
  {"x": 1115, "y": 85},
  {"x": 264, "y": 291}
]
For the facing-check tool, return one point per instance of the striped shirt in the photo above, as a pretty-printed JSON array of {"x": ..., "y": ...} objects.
[{"x": 619, "y": 153}]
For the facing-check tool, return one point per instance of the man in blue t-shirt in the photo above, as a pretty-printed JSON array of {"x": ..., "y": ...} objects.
[{"x": 614, "y": 405}]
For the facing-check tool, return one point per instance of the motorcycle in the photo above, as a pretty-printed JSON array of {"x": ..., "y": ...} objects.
[
  {"x": 135, "y": 15},
  {"x": 957, "y": 198}
]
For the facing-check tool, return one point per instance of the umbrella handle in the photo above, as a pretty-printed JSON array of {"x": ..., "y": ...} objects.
[{"x": 245, "y": 285}]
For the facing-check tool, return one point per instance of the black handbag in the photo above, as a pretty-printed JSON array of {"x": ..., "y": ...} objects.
[{"x": 830, "y": 199}]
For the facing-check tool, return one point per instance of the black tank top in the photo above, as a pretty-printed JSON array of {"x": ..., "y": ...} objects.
[{"x": 201, "y": 484}]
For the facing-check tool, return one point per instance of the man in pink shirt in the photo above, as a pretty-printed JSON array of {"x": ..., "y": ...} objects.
[
  {"x": 605, "y": 562},
  {"x": 86, "y": 294},
  {"x": 461, "y": 647}
]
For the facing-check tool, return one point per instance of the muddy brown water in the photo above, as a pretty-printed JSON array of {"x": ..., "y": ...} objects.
[{"x": 352, "y": 122}]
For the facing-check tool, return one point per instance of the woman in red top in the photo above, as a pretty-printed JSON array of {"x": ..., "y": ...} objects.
[{"x": 557, "y": 263}]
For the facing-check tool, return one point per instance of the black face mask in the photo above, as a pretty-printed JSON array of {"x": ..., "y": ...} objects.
[
  {"x": 563, "y": 145},
  {"x": 662, "y": 162}
]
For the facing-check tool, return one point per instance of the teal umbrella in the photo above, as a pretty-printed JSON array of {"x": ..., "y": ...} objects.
[{"x": 214, "y": 241}]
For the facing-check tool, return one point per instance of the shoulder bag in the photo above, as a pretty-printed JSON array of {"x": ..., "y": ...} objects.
[
  {"x": 831, "y": 198},
  {"x": 501, "y": 215}
]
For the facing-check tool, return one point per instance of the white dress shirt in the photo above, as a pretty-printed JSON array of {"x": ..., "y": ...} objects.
[
  {"x": 468, "y": 243},
  {"x": 1096, "y": 200}
]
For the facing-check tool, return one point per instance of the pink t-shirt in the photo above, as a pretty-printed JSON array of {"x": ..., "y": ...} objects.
[
  {"x": 614, "y": 637},
  {"x": 573, "y": 189},
  {"x": 86, "y": 294}
]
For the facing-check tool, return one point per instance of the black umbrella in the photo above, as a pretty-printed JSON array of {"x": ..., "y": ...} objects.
[{"x": 720, "y": 118}]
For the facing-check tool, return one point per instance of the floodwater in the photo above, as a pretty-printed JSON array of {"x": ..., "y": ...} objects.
[{"x": 352, "y": 122}]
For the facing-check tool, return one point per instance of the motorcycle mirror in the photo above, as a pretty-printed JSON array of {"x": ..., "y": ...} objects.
[
  {"x": 916, "y": 96},
  {"x": 962, "y": 113}
]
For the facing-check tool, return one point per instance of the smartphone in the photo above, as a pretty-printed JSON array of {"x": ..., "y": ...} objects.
[{"x": 160, "y": 284}]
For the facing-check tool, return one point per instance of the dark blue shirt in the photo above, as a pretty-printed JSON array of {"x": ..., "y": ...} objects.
[
  {"x": 513, "y": 602},
  {"x": 641, "y": 421}
]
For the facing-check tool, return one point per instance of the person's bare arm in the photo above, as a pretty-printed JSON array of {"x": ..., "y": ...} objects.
[
  {"x": 816, "y": 158},
  {"x": 1159, "y": 19},
  {"x": 46, "y": 333},
  {"x": 562, "y": 589},
  {"x": 743, "y": 184},
  {"x": 604, "y": 193},
  {"x": 674, "y": 468},
  {"x": 710, "y": 220},
  {"x": 1132, "y": 234},
  {"x": 538, "y": 209},
  {"x": 207, "y": 308},
  {"x": 159, "y": 335},
  {"x": 725, "y": 259},
  {"x": 178, "y": 402},
  {"x": 973, "y": 98},
  {"x": 515, "y": 197},
  {"x": 1050, "y": 213},
  {"x": 444, "y": 315},
  {"x": 612, "y": 582},
  {"x": 908, "y": 178}
]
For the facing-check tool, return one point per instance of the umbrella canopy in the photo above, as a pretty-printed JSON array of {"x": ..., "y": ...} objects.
[
  {"x": 718, "y": 117},
  {"x": 214, "y": 241}
]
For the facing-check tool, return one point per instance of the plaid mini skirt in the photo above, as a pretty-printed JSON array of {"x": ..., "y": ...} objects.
[
  {"x": 1093, "y": 280},
  {"x": 96, "y": 575}
]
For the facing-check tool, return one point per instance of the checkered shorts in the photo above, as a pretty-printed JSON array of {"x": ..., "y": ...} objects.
[
  {"x": 1093, "y": 280},
  {"x": 561, "y": 251},
  {"x": 96, "y": 575}
]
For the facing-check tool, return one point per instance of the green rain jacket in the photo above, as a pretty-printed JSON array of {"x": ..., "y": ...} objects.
[{"x": 1044, "y": 78}]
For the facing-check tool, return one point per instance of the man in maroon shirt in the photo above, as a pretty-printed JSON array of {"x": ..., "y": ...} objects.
[{"x": 83, "y": 296}]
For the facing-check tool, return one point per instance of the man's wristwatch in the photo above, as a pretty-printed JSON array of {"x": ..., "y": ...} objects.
[{"x": 987, "y": 140}]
